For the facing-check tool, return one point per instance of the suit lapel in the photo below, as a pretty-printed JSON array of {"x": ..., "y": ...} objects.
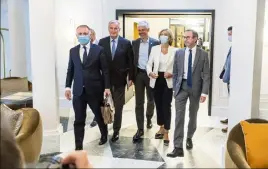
[
  {"x": 118, "y": 47},
  {"x": 197, "y": 55},
  {"x": 108, "y": 46},
  {"x": 90, "y": 56},
  {"x": 77, "y": 55},
  {"x": 182, "y": 60},
  {"x": 150, "y": 46},
  {"x": 170, "y": 52},
  {"x": 136, "y": 45}
]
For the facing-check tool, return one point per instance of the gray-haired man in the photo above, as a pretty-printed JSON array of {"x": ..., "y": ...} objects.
[{"x": 141, "y": 49}]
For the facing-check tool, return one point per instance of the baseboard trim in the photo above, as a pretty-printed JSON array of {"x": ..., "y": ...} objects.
[
  {"x": 263, "y": 114},
  {"x": 51, "y": 140},
  {"x": 219, "y": 111}
]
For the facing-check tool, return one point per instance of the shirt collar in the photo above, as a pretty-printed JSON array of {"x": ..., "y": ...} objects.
[
  {"x": 193, "y": 49},
  {"x": 116, "y": 39},
  {"x": 147, "y": 41},
  {"x": 87, "y": 46}
]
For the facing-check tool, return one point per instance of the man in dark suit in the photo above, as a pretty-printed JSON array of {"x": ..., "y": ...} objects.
[
  {"x": 142, "y": 49},
  {"x": 120, "y": 61},
  {"x": 88, "y": 69}
]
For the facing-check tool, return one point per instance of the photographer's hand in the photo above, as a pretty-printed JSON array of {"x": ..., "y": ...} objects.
[{"x": 78, "y": 158}]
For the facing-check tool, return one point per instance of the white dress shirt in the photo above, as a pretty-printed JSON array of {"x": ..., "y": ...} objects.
[
  {"x": 187, "y": 52},
  {"x": 81, "y": 53},
  {"x": 82, "y": 50},
  {"x": 163, "y": 62}
]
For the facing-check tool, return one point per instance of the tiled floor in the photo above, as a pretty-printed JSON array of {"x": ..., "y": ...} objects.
[{"x": 149, "y": 153}]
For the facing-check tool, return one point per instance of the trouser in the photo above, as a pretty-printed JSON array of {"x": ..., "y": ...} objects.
[
  {"x": 163, "y": 99},
  {"x": 118, "y": 95},
  {"x": 142, "y": 83},
  {"x": 180, "y": 105},
  {"x": 80, "y": 106}
]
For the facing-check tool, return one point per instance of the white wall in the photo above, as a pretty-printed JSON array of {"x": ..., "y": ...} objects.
[
  {"x": 10, "y": 45},
  {"x": 4, "y": 24},
  {"x": 98, "y": 13},
  {"x": 68, "y": 15}
]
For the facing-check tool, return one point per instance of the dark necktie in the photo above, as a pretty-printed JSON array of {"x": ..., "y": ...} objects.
[
  {"x": 113, "y": 48},
  {"x": 189, "y": 73},
  {"x": 85, "y": 55}
]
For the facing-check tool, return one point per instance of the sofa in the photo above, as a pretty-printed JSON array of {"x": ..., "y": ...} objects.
[
  {"x": 235, "y": 154},
  {"x": 12, "y": 85},
  {"x": 30, "y": 135}
]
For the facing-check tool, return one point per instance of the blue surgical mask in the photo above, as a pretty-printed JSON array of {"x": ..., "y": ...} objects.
[
  {"x": 83, "y": 39},
  {"x": 163, "y": 39},
  {"x": 230, "y": 38}
]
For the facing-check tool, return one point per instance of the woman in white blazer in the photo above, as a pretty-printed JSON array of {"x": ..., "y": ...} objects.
[{"x": 159, "y": 69}]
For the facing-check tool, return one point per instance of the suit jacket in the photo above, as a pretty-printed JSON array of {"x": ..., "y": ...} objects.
[
  {"x": 122, "y": 65},
  {"x": 93, "y": 74},
  {"x": 136, "y": 49},
  {"x": 200, "y": 72},
  {"x": 154, "y": 60},
  {"x": 225, "y": 74}
]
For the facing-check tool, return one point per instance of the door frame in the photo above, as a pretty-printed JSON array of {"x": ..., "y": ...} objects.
[{"x": 124, "y": 12}]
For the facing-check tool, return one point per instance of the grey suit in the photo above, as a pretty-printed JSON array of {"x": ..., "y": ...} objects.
[
  {"x": 200, "y": 84},
  {"x": 141, "y": 81}
]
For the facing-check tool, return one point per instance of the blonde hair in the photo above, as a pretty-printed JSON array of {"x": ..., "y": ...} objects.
[{"x": 170, "y": 35}]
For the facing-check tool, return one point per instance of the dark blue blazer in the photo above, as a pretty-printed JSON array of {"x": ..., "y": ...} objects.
[{"x": 93, "y": 75}]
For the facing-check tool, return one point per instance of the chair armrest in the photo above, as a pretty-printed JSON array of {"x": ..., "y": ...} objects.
[{"x": 237, "y": 155}]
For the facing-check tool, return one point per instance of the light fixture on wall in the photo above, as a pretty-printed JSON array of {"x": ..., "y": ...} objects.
[{"x": 4, "y": 52}]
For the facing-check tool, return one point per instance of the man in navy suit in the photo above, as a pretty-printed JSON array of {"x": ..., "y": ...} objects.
[
  {"x": 119, "y": 54},
  {"x": 88, "y": 69}
]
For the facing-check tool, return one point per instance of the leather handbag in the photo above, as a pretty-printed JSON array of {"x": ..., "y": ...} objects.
[{"x": 107, "y": 110}]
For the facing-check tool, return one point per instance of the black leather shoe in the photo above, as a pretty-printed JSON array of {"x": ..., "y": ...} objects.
[
  {"x": 93, "y": 124},
  {"x": 225, "y": 121},
  {"x": 177, "y": 152},
  {"x": 138, "y": 135},
  {"x": 149, "y": 124},
  {"x": 166, "y": 142},
  {"x": 115, "y": 137},
  {"x": 103, "y": 140},
  {"x": 79, "y": 148},
  {"x": 189, "y": 144},
  {"x": 159, "y": 136}
]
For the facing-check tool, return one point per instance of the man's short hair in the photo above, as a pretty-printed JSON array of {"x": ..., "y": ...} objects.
[
  {"x": 144, "y": 23},
  {"x": 83, "y": 26},
  {"x": 195, "y": 34},
  {"x": 11, "y": 156},
  {"x": 230, "y": 28},
  {"x": 115, "y": 22}
]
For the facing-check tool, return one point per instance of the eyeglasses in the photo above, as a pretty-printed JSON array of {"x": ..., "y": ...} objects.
[{"x": 187, "y": 37}]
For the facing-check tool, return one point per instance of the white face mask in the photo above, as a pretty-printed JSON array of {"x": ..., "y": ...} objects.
[
  {"x": 163, "y": 39},
  {"x": 230, "y": 38}
]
